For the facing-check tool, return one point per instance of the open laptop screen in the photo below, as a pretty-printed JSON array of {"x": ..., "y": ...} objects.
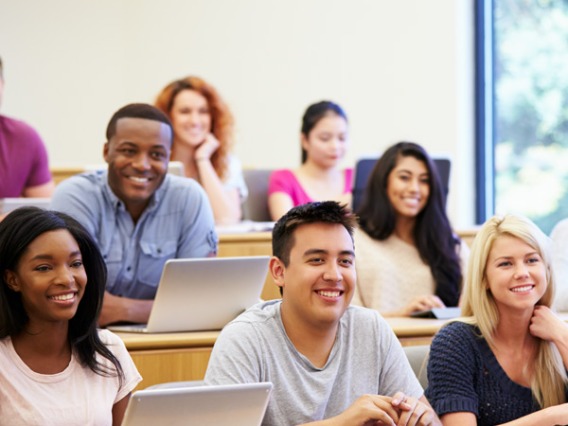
[{"x": 235, "y": 405}]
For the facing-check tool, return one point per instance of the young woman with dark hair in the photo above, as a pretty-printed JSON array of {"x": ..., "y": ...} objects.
[
  {"x": 324, "y": 137},
  {"x": 52, "y": 282},
  {"x": 408, "y": 258}
]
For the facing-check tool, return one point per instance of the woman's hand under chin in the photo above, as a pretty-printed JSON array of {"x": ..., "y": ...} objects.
[{"x": 207, "y": 148}]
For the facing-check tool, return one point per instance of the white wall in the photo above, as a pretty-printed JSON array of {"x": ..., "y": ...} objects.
[{"x": 401, "y": 69}]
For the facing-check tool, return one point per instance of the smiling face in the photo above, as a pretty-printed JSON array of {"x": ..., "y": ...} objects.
[
  {"x": 326, "y": 143},
  {"x": 515, "y": 274},
  {"x": 408, "y": 187},
  {"x": 190, "y": 117},
  {"x": 137, "y": 157},
  {"x": 319, "y": 280},
  {"x": 50, "y": 277}
]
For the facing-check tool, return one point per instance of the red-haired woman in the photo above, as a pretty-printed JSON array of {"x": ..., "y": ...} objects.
[{"x": 203, "y": 127}]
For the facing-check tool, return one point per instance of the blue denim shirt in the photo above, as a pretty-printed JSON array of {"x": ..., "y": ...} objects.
[{"x": 178, "y": 223}]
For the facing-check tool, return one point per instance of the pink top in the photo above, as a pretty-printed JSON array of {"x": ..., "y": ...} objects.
[{"x": 285, "y": 181}]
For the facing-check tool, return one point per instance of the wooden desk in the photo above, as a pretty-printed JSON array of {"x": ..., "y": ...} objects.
[
  {"x": 61, "y": 173},
  {"x": 415, "y": 331},
  {"x": 167, "y": 357}
]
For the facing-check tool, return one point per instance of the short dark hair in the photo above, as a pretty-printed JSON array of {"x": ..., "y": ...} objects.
[
  {"x": 315, "y": 212},
  {"x": 315, "y": 113},
  {"x": 144, "y": 111},
  {"x": 17, "y": 231}
]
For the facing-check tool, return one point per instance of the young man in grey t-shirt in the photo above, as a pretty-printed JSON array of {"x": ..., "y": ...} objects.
[{"x": 331, "y": 364}]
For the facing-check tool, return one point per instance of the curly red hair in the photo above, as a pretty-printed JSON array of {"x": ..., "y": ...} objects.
[{"x": 221, "y": 117}]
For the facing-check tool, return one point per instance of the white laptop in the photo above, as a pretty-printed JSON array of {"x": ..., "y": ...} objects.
[
  {"x": 9, "y": 204},
  {"x": 203, "y": 294},
  {"x": 235, "y": 405}
]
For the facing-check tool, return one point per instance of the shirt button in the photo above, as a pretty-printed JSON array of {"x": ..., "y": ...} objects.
[{"x": 129, "y": 268}]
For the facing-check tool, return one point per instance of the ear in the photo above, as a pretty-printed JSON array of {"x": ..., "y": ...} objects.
[
  {"x": 12, "y": 280},
  {"x": 106, "y": 149},
  {"x": 304, "y": 141},
  {"x": 277, "y": 270}
]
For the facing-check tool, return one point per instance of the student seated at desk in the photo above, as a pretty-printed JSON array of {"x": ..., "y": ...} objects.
[
  {"x": 330, "y": 363},
  {"x": 24, "y": 168},
  {"x": 505, "y": 363},
  {"x": 139, "y": 215},
  {"x": 408, "y": 258},
  {"x": 203, "y": 127},
  {"x": 324, "y": 139},
  {"x": 57, "y": 368}
]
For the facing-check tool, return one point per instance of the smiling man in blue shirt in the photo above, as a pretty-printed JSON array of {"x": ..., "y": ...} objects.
[{"x": 139, "y": 215}]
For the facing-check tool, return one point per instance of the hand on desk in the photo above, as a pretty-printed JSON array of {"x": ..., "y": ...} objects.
[
  {"x": 420, "y": 303},
  {"x": 121, "y": 309}
]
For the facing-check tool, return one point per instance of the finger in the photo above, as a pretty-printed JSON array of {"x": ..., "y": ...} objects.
[
  {"x": 386, "y": 412},
  {"x": 413, "y": 416},
  {"x": 398, "y": 398},
  {"x": 438, "y": 302}
]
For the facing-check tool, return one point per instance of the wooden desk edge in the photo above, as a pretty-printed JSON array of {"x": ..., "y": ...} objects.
[
  {"x": 140, "y": 341},
  {"x": 246, "y": 237}
]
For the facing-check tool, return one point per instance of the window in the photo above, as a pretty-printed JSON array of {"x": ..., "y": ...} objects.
[{"x": 522, "y": 115}]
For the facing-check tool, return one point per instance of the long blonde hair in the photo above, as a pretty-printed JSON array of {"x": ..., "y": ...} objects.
[{"x": 549, "y": 381}]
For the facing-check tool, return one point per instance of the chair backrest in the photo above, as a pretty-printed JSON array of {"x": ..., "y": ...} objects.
[
  {"x": 255, "y": 206},
  {"x": 418, "y": 358},
  {"x": 364, "y": 167}
]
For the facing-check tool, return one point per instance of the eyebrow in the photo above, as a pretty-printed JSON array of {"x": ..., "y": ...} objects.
[
  {"x": 409, "y": 171},
  {"x": 322, "y": 251},
  {"x": 532, "y": 253},
  {"x": 49, "y": 256}
]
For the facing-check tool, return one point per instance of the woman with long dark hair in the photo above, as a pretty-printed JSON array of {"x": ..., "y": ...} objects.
[
  {"x": 63, "y": 370},
  {"x": 408, "y": 258}
]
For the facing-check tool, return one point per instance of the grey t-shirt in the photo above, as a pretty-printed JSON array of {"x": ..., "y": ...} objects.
[{"x": 366, "y": 359}]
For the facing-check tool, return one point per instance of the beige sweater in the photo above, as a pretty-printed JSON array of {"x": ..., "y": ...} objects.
[{"x": 390, "y": 273}]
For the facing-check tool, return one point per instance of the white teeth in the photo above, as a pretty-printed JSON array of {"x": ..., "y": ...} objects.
[
  {"x": 329, "y": 293},
  {"x": 139, "y": 179},
  {"x": 67, "y": 296},
  {"x": 521, "y": 289}
]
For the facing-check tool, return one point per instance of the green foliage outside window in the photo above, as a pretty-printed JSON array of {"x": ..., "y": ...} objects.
[{"x": 531, "y": 108}]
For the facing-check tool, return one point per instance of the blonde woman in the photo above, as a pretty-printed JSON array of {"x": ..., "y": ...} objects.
[{"x": 506, "y": 361}]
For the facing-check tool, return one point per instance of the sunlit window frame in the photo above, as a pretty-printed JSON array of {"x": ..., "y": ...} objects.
[{"x": 484, "y": 110}]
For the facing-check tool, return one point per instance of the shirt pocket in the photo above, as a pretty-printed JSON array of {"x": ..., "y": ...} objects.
[
  {"x": 152, "y": 259},
  {"x": 114, "y": 259}
]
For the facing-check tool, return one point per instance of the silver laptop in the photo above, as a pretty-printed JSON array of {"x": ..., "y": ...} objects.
[
  {"x": 203, "y": 293},
  {"x": 9, "y": 204},
  {"x": 235, "y": 405}
]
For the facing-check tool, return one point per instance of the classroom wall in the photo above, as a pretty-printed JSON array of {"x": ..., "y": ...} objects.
[{"x": 401, "y": 69}]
